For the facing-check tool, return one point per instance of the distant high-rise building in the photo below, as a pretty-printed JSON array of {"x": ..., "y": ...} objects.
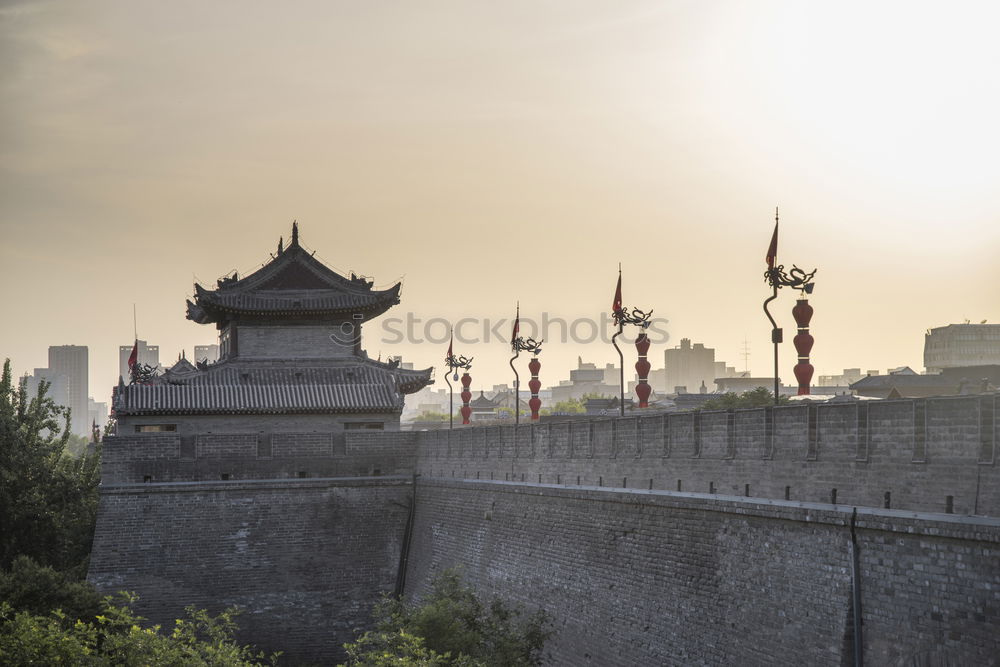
[
  {"x": 72, "y": 361},
  {"x": 98, "y": 413},
  {"x": 958, "y": 345},
  {"x": 690, "y": 366},
  {"x": 206, "y": 353},
  {"x": 58, "y": 389},
  {"x": 148, "y": 354},
  {"x": 848, "y": 377}
]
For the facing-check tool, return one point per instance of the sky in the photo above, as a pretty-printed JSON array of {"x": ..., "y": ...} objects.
[{"x": 494, "y": 153}]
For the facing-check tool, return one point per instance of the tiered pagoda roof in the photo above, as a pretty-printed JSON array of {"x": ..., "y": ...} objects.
[
  {"x": 297, "y": 287},
  {"x": 293, "y": 285}
]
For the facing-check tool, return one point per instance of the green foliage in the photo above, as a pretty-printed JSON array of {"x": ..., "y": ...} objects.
[
  {"x": 430, "y": 416},
  {"x": 399, "y": 649},
  {"x": 38, "y": 589},
  {"x": 48, "y": 499},
  {"x": 458, "y": 629},
  {"x": 117, "y": 638},
  {"x": 755, "y": 398},
  {"x": 573, "y": 406}
]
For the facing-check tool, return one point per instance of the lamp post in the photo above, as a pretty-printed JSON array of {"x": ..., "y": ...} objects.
[
  {"x": 622, "y": 316},
  {"x": 454, "y": 363},
  {"x": 796, "y": 278}
]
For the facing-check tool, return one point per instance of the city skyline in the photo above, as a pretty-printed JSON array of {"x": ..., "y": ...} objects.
[{"x": 488, "y": 154}]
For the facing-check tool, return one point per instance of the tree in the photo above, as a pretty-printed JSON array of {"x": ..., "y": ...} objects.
[
  {"x": 430, "y": 416},
  {"x": 116, "y": 637},
  {"x": 48, "y": 499},
  {"x": 399, "y": 649},
  {"x": 754, "y": 398},
  {"x": 573, "y": 405},
  {"x": 38, "y": 589},
  {"x": 456, "y": 628}
]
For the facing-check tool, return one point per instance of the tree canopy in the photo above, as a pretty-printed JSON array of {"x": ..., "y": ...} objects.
[
  {"x": 48, "y": 498},
  {"x": 754, "y": 398},
  {"x": 451, "y": 627}
]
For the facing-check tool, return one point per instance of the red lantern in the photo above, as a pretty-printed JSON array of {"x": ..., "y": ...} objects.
[
  {"x": 534, "y": 385},
  {"x": 643, "y": 390},
  {"x": 466, "y": 397},
  {"x": 803, "y": 312}
]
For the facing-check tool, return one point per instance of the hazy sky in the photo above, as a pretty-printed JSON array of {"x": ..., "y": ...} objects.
[{"x": 491, "y": 152}]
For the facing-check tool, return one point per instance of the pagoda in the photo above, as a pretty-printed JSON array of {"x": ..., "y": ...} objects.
[{"x": 290, "y": 357}]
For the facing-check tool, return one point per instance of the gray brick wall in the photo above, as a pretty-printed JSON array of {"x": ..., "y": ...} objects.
[
  {"x": 306, "y": 558},
  {"x": 920, "y": 453},
  {"x": 640, "y": 578}
]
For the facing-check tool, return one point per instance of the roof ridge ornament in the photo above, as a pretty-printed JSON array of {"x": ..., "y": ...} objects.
[{"x": 295, "y": 234}]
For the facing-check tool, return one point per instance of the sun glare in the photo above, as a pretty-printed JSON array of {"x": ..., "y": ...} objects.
[{"x": 899, "y": 92}]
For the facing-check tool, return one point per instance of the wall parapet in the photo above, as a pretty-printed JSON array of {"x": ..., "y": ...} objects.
[{"x": 929, "y": 455}]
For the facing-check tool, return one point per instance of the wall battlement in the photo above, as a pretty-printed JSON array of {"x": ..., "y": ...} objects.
[{"x": 927, "y": 455}]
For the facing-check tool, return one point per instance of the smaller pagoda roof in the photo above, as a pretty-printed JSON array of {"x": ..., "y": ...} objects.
[
  {"x": 483, "y": 403},
  {"x": 364, "y": 387},
  {"x": 294, "y": 284}
]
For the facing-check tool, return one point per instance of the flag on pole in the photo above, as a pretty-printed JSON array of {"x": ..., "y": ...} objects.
[
  {"x": 133, "y": 358},
  {"x": 616, "y": 305},
  {"x": 517, "y": 326},
  {"x": 772, "y": 250},
  {"x": 450, "y": 343}
]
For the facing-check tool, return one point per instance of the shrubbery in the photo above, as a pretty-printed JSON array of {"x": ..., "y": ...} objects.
[{"x": 451, "y": 627}]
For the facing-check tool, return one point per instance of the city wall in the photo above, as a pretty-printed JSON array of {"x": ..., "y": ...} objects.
[
  {"x": 713, "y": 537},
  {"x": 639, "y": 577},
  {"x": 928, "y": 455},
  {"x": 305, "y": 536}
]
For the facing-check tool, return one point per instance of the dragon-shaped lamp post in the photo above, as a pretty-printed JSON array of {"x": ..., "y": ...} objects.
[
  {"x": 453, "y": 363},
  {"x": 796, "y": 278},
  {"x": 622, "y": 316},
  {"x": 518, "y": 345}
]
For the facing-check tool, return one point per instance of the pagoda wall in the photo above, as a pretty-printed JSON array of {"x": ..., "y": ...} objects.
[
  {"x": 292, "y": 452},
  {"x": 282, "y": 341}
]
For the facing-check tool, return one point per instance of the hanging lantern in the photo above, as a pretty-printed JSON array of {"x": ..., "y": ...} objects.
[
  {"x": 643, "y": 390},
  {"x": 534, "y": 385},
  {"x": 466, "y": 397},
  {"x": 803, "y": 312}
]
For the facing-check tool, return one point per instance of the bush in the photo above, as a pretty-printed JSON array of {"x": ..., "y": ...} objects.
[
  {"x": 116, "y": 637},
  {"x": 38, "y": 589},
  {"x": 457, "y": 629}
]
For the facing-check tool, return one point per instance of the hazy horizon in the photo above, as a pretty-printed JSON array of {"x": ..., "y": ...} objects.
[{"x": 490, "y": 154}]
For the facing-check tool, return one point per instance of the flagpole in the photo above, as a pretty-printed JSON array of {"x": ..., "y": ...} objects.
[
  {"x": 517, "y": 389},
  {"x": 775, "y": 338},
  {"x": 451, "y": 392},
  {"x": 135, "y": 327},
  {"x": 517, "y": 377},
  {"x": 621, "y": 367}
]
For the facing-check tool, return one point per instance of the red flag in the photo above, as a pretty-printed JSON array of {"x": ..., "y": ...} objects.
[
  {"x": 772, "y": 250},
  {"x": 134, "y": 357},
  {"x": 517, "y": 326},
  {"x": 616, "y": 305},
  {"x": 450, "y": 342}
]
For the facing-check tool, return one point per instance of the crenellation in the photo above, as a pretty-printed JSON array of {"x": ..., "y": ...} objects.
[{"x": 735, "y": 445}]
